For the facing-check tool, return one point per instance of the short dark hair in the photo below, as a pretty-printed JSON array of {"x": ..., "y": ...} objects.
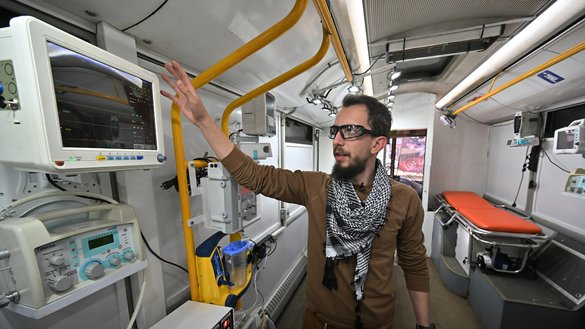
[{"x": 379, "y": 116}]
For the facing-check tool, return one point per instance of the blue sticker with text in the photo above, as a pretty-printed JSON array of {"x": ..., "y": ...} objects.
[{"x": 550, "y": 77}]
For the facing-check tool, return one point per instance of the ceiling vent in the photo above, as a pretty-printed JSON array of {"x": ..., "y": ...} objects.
[{"x": 442, "y": 44}]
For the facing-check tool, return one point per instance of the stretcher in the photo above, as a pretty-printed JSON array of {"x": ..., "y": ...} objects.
[{"x": 495, "y": 228}]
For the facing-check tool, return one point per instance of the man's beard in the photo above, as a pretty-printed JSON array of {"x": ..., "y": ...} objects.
[{"x": 353, "y": 169}]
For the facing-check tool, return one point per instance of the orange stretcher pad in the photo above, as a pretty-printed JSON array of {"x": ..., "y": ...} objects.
[{"x": 486, "y": 216}]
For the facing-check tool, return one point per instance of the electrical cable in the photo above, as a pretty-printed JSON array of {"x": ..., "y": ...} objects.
[
  {"x": 521, "y": 178},
  {"x": 147, "y": 17},
  {"x": 52, "y": 182},
  {"x": 543, "y": 151},
  {"x": 160, "y": 258},
  {"x": 369, "y": 68},
  {"x": 139, "y": 301},
  {"x": 24, "y": 200},
  {"x": 470, "y": 117}
]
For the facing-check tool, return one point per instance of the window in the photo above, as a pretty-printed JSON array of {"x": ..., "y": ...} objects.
[
  {"x": 405, "y": 157},
  {"x": 298, "y": 132}
]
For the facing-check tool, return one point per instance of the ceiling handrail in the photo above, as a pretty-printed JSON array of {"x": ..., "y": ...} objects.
[
  {"x": 223, "y": 65},
  {"x": 327, "y": 21},
  {"x": 276, "y": 81}
]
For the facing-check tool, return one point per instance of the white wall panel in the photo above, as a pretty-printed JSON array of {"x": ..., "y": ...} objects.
[
  {"x": 504, "y": 170},
  {"x": 566, "y": 211},
  {"x": 459, "y": 157}
]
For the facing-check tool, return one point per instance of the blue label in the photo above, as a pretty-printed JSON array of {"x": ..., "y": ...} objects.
[{"x": 550, "y": 77}]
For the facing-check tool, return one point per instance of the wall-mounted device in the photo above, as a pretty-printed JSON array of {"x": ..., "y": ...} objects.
[
  {"x": 198, "y": 315},
  {"x": 258, "y": 117},
  {"x": 59, "y": 257},
  {"x": 225, "y": 203},
  {"x": 69, "y": 106},
  {"x": 224, "y": 275},
  {"x": 256, "y": 151},
  {"x": 524, "y": 141},
  {"x": 575, "y": 185},
  {"x": 570, "y": 139},
  {"x": 526, "y": 124}
]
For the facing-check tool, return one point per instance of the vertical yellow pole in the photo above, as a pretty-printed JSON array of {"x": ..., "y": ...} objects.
[{"x": 234, "y": 58}]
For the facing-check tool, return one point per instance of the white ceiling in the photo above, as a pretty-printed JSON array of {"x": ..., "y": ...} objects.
[{"x": 200, "y": 33}]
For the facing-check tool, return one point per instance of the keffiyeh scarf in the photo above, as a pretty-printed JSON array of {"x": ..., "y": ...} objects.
[{"x": 351, "y": 225}]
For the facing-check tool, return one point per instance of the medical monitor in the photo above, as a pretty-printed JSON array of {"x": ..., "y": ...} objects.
[
  {"x": 570, "y": 139},
  {"x": 69, "y": 106}
]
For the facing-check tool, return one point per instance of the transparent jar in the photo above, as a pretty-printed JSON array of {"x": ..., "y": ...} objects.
[{"x": 236, "y": 254}]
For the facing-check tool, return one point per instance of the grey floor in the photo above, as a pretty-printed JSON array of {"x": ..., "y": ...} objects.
[{"x": 447, "y": 310}]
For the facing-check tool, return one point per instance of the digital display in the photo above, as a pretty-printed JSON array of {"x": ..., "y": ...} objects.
[
  {"x": 100, "y": 106},
  {"x": 566, "y": 140},
  {"x": 101, "y": 241}
]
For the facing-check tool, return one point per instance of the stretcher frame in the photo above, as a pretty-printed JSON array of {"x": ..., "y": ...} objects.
[{"x": 525, "y": 242}]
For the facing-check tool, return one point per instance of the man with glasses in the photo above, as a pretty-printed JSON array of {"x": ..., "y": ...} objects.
[{"x": 358, "y": 217}]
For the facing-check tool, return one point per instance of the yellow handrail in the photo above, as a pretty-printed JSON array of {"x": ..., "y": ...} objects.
[
  {"x": 564, "y": 55},
  {"x": 223, "y": 65},
  {"x": 276, "y": 82},
  {"x": 327, "y": 20}
]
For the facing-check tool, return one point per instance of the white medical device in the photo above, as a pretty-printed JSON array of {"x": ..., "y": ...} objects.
[
  {"x": 56, "y": 258},
  {"x": 226, "y": 204},
  {"x": 256, "y": 151},
  {"x": 198, "y": 315},
  {"x": 570, "y": 139},
  {"x": 526, "y": 124},
  {"x": 258, "y": 116},
  {"x": 69, "y": 106},
  {"x": 576, "y": 183}
]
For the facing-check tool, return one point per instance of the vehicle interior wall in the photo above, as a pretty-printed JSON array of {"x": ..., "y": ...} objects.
[
  {"x": 549, "y": 205},
  {"x": 459, "y": 157}
]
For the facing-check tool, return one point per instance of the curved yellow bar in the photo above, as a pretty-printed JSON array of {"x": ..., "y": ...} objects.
[
  {"x": 562, "y": 56},
  {"x": 240, "y": 54},
  {"x": 275, "y": 82},
  {"x": 327, "y": 20}
]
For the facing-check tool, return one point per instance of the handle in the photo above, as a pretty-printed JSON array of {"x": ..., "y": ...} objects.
[{"x": 75, "y": 211}]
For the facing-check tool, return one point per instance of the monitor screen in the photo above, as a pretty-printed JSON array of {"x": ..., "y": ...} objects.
[
  {"x": 100, "y": 106},
  {"x": 565, "y": 140}
]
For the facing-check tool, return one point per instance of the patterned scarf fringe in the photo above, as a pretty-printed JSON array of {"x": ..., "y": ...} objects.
[
  {"x": 358, "y": 316},
  {"x": 329, "y": 278}
]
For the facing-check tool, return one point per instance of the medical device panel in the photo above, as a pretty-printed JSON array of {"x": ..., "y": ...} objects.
[
  {"x": 526, "y": 124},
  {"x": 69, "y": 106},
  {"x": 59, "y": 257},
  {"x": 570, "y": 139},
  {"x": 225, "y": 203},
  {"x": 258, "y": 116}
]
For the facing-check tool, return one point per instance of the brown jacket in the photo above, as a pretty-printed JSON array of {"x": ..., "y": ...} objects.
[{"x": 402, "y": 233}]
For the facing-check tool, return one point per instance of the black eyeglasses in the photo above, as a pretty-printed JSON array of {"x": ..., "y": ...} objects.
[{"x": 349, "y": 131}]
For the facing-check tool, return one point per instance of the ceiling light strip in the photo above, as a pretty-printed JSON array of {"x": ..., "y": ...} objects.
[
  {"x": 556, "y": 16},
  {"x": 564, "y": 55}
]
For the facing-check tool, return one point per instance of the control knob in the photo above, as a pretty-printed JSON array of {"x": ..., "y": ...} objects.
[
  {"x": 115, "y": 261},
  {"x": 57, "y": 260},
  {"x": 93, "y": 270},
  {"x": 60, "y": 283},
  {"x": 129, "y": 255}
]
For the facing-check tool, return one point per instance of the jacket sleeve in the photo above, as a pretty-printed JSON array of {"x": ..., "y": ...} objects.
[
  {"x": 410, "y": 246},
  {"x": 280, "y": 184}
]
